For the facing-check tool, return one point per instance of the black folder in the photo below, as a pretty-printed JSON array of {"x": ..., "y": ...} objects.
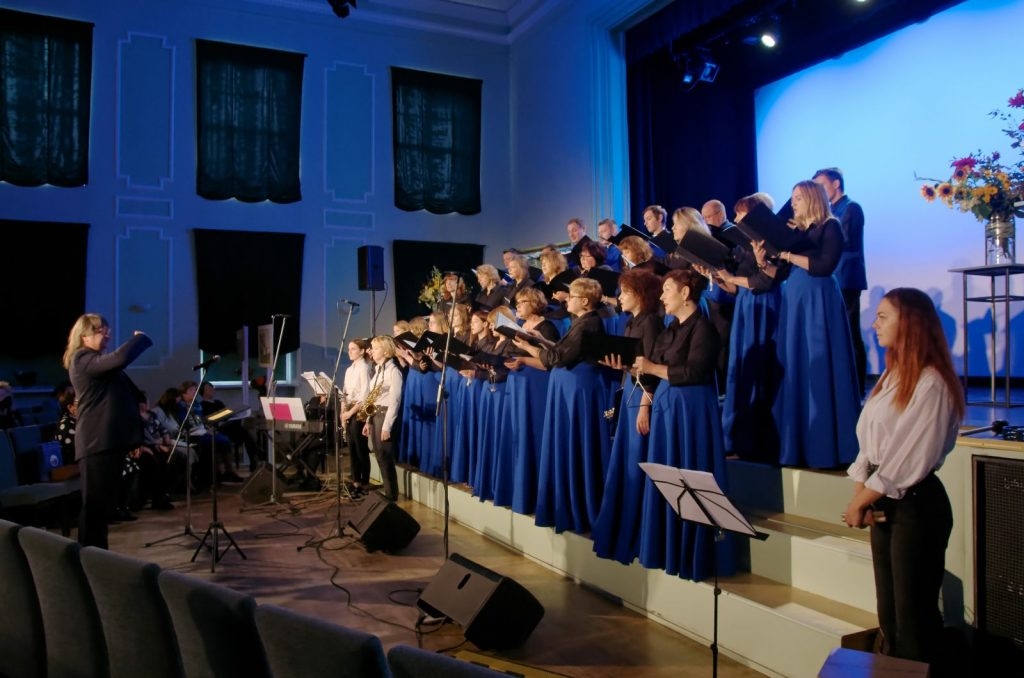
[
  {"x": 704, "y": 250},
  {"x": 560, "y": 283},
  {"x": 595, "y": 347},
  {"x": 532, "y": 339},
  {"x": 608, "y": 279},
  {"x": 437, "y": 342},
  {"x": 735, "y": 237},
  {"x": 407, "y": 340},
  {"x": 761, "y": 223},
  {"x": 627, "y": 230}
]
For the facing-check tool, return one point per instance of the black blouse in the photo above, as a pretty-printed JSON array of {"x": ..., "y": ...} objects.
[
  {"x": 690, "y": 351},
  {"x": 566, "y": 353},
  {"x": 646, "y": 327}
]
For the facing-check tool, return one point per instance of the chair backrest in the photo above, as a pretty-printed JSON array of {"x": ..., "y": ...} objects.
[
  {"x": 22, "y": 646},
  {"x": 8, "y": 467},
  {"x": 71, "y": 622},
  {"x": 136, "y": 623},
  {"x": 215, "y": 627},
  {"x": 25, "y": 438},
  {"x": 407, "y": 661},
  {"x": 300, "y": 645}
]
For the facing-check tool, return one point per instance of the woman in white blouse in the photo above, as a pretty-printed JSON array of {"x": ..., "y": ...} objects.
[
  {"x": 384, "y": 400},
  {"x": 356, "y": 386},
  {"x": 907, "y": 427}
]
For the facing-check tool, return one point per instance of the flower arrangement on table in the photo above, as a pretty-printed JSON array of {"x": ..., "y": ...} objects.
[
  {"x": 433, "y": 290},
  {"x": 981, "y": 183}
]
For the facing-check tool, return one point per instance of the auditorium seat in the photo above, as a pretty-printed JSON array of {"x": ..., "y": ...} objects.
[
  {"x": 71, "y": 623},
  {"x": 22, "y": 646},
  {"x": 407, "y": 661},
  {"x": 137, "y": 626},
  {"x": 215, "y": 627},
  {"x": 300, "y": 645}
]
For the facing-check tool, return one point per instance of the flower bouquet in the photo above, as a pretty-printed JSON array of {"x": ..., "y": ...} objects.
[{"x": 432, "y": 290}]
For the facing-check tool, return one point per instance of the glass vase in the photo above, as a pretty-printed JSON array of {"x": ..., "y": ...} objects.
[{"x": 1000, "y": 241}]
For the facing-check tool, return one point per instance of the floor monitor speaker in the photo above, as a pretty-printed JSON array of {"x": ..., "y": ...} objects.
[
  {"x": 258, "y": 488},
  {"x": 382, "y": 525},
  {"x": 494, "y": 611},
  {"x": 371, "y": 267}
]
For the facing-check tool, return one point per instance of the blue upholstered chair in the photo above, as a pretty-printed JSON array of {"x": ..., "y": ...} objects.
[
  {"x": 300, "y": 645},
  {"x": 215, "y": 627},
  {"x": 407, "y": 661},
  {"x": 71, "y": 623},
  {"x": 136, "y": 623},
  {"x": 22, "y": 646}
]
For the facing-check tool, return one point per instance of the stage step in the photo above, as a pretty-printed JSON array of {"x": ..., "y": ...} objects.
[{"x": 810, "y": 587}]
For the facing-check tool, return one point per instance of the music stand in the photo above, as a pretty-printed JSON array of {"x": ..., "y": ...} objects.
[
  {"x": 695, "y": 496},
  {"x": 216, "y": 526}
]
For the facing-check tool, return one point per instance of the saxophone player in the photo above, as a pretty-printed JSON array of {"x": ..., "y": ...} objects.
[
  {"x": 381, "y": 410},
  {"x": 356, "y": 387}
]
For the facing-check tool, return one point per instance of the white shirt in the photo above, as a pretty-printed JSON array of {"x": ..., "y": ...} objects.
[
  {"x": 906, "y": 446},
  {"x": 357, "y": 381},
  {"x": 390, "y": 378}
]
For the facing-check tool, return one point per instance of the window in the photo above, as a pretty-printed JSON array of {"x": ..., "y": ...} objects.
[
  {"x": 249, "y": 106},
  {"x": 437, "y": 142},
  {"x": 46, "y": 79}
]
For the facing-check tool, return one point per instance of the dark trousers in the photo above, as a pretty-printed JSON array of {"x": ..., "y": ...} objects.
[
  {"x": 101, "y": 480},
  {"x": 909, "y": 556},
  {"x": 852, "y": 300},
  {"x": 358, "y": 452},
  {"x": 384, "y": 450}
]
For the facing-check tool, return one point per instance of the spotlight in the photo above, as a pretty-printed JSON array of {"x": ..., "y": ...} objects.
[
  {"x": 696, "y": 66},
  {"x": 769, "y": 36}
]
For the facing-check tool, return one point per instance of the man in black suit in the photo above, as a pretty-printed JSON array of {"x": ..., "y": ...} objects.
[
  {"x": 654, "y": 221},
  {"x": 720, "y": 311},
  {"x": 577, "y": 231}
]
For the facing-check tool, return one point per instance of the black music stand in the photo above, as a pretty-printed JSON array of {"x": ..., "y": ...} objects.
[
  {"x": 696, "y": 497},
  {"x": 216, "y": 526}
]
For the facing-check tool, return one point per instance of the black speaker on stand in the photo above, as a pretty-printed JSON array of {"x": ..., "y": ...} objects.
[
  {"x": 382, "y": 525},
  {"x": 371, "y": 277},
  {"x": 494, "y": 611}
]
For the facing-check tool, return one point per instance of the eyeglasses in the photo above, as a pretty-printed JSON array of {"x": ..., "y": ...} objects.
[
  {"x": 576, "y": 296},
  {"x": 101, "y": 330}
]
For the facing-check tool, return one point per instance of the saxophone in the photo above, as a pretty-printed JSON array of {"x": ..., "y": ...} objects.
[
  {"x": 369, "y": 406},
  {"x": 344, "y": 424}
]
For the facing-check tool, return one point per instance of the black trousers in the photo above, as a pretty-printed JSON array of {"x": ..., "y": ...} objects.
[
  {"x": 358, "y": 452},
  {"x": 909, "y": 556},
  {"x": 101, "y": 481},
  {"x": 851, "y": 298},
  {"x": 384, "y": 450}
]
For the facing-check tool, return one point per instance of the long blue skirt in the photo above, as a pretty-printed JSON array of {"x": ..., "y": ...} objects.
[
  {"x": 616, "y": 532},
  {"x": 521, "y": 432},
  {"x": 752, "y": 382},
  {"x": 686, "y": 432},
  {"x": 818, "y": 405},
  {"x": 419, "y": 419},
  {"x": 486, "y": 482},
  {"x": 439, "y": 454},
  {"x": 462, "y": 440},
  {"x": 574, "y": 449}
]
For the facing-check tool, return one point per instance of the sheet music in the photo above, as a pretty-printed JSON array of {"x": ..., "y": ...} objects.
[{"x": 320, "y": 383}]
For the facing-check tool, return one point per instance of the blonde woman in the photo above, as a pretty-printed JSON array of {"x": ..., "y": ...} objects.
[
  {"x": 492, "y": 290},
  {"x": 818, "y": 402},
  {"x": 108, "y": 425},
  {"x": 383, "y": 402}
]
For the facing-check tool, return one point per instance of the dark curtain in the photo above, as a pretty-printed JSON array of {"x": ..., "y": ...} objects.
[
  {"x": 248, "y": 112},
  {"x": 46, "y": 79},
  {"x": 245, "y": 278},
  {"x": 44, "y": 265},
  {"x": 413, "y": 261},
  {"x": 437, "y": 142}
]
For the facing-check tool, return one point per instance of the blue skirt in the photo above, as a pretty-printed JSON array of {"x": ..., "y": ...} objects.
[
  {"x": 574, "y": 449},
  {"x": 419, "y": 395},
  {"x": 818, "y": 405},
  {"x": 463, "y": 436},
  {"x": 686, "y": 432},
  {"x": 616, "y": 532},
  {"x": 493, "y": 472},
  {"x": 752, "y": 384},
  {"x": 521, "y": 431},
  {"x": 433, "y": 460}
]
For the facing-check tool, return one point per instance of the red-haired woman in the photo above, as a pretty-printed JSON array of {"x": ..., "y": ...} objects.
[
  {"x": 686, "y": 431},
  {"x": 616, "y": 532},
  {"x": 909, "y": 424}
]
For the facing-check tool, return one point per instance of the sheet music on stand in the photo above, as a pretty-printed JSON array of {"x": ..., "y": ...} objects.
[
  {"x": 696, "y": 496},
  {"x": 320, "y": 383}
]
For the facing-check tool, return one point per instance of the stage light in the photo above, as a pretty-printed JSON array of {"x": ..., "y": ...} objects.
[
  {"x": 696, "y": 66},
  {"x": 769, "y": 32},
  {"x": 341, "y": 8}
]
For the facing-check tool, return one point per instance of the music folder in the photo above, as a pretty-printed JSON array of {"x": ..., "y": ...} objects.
[
  {"x": 704, "y": 250},
  {"x": 225, "y": 415},
  {"x": 607, "y": 278},
  {"x": 595, "y": 347},
  {"x": 761, "y": 223},
  {"x": 437, "y": 342},
  {"x": 407, "y": 340}
]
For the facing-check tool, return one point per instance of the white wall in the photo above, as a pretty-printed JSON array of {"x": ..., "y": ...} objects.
[{"x": 901, "y": 107}]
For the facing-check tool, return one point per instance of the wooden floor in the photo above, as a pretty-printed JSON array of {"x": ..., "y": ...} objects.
[{"x": 581, "y": 634}]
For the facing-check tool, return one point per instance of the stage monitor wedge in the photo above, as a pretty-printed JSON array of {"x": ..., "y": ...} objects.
[{"x": 371, "y": 267}]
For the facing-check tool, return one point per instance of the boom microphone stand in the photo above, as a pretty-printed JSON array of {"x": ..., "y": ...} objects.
[
  {"x": 336, "y": 531},
  {"x": 441, "y": 409},
  {"x": 182, "y": 428}
]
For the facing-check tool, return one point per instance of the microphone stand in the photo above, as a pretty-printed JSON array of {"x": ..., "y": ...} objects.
[
  {"x": 337, "y": 529},
  {"x": 441, "y": 408},
  {"x": 271, "y": 394},
  {"x": 183, "y": 428}
]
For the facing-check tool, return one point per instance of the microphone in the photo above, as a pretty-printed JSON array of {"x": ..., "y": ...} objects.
[
  {"x": 281, "y": 315},
  {"x": 206, "y": 363},
  {"x": 354, "y": 304}
]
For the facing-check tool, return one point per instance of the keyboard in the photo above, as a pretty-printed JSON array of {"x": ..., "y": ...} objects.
[{"x": 292, "y": 426}]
